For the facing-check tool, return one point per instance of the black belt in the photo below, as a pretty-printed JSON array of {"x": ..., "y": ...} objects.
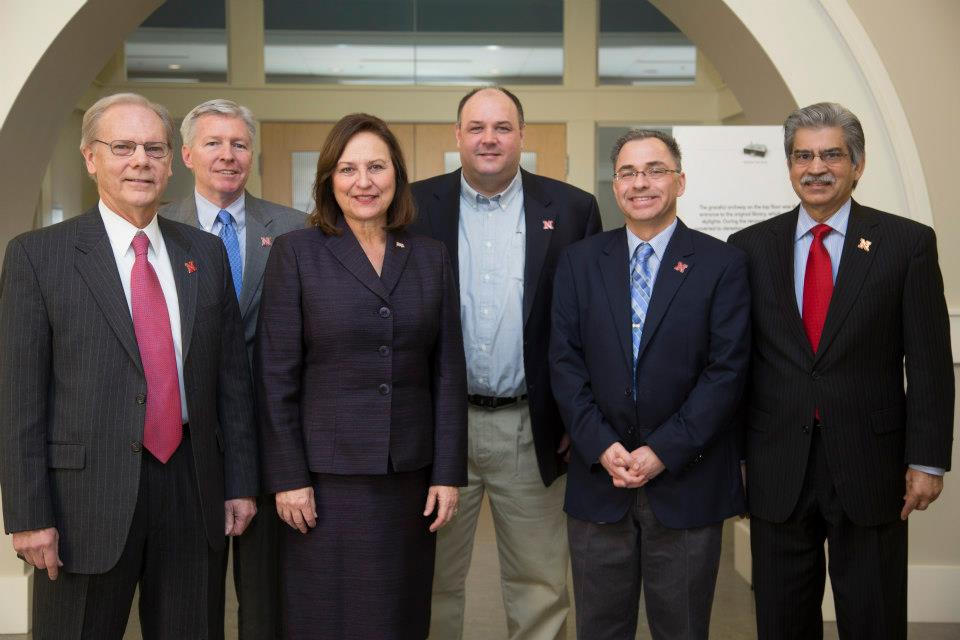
[{"x": 492, "y": 403}]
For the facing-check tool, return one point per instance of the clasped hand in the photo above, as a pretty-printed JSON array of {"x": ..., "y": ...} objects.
[{"x": 631, "y": 469}]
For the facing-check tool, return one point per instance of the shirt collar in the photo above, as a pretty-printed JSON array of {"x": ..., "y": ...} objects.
[
  {"x": 658, "y": 242},
  {"x": 838, "y": 221},
  {"x": 473, "y": 198},
  {"x": 120, "y": 232},
  {"x": 207, "y": 212}
]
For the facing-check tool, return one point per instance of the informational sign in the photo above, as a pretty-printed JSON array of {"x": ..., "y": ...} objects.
[{"x": 736, "y": 176}]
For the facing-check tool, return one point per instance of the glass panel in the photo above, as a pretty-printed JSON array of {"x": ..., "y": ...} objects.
[
  {"x": 639, "y": 45},
  {"x": 304, "y": 172},
  {"x": 394, "y": 42},
  {"x": 182, "y": 41}
]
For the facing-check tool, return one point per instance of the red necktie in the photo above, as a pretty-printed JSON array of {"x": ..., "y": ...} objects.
[
  {"x": 817, "y": 286},
  {"x": 162, "y": 427}
]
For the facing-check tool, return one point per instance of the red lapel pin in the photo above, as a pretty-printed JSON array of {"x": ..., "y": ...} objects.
[
  {"x": 680, "y": 266},
  {"x": 190, "y": 266},
  {"x": 548, "y": 225},
  {"x": 266, "y": 241}
]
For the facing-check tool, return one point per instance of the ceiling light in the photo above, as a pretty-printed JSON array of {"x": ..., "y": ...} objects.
[
  {"x": 174, "y": 67},
  {"x": 493, "y": 47}
]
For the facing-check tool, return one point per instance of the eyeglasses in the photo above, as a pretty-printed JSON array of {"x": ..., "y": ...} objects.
[
  {"x": 124, "y": 148},
  {"x": 656, "y": 173},
  {"x": 831, "y": 157}
]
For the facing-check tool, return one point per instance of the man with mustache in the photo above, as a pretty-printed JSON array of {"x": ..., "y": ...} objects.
[
  {"x": 218, "y": 148},
  {"x": 847, "y": 300},
  {"x": 504, "y": 228},
  {"x": 127, "y": 444}
]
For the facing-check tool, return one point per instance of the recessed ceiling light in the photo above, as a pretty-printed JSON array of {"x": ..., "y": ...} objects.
[
  {"x": 493, "y": 47},
  {"x": 494, "y": 72},
  {"x": 174, "y": 67}
]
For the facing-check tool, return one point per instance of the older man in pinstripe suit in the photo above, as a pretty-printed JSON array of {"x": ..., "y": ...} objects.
[
  {"x": 126, "y": 431},
  {"x": 846, "y": 300}
]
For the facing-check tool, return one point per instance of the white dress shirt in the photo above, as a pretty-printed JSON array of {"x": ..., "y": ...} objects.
[{"x": 120, "y": 233}]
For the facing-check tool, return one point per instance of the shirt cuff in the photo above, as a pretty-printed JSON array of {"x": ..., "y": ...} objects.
[{"x": 933, "y": 471}]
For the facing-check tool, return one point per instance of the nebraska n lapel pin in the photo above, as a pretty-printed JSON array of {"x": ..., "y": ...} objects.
[
  {"x": 680, "y": 266},
  {"x": 864, "y": 244},
  {"x": 548, "y": 225},
  {"x": 400, "y": 245},
  {"x": 191, "y": 268},
  {"x": 266, "y": 241}
]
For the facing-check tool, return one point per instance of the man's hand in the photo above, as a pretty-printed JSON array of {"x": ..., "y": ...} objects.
[
  {"x": 41, "y": 548},
  {"x": 239, "y": 512},
  {"x": 922, "y": 489},
  {"x": 445, "y": 499},
  {"x": 621, "y": 467},
  {"x": 298, "y": 508},
  {"x": 564, "y": 448},
  {"x": 646, "y": 463}
]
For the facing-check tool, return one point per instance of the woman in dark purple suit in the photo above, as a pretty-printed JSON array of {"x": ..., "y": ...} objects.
[{"x": 362, "y": 397}]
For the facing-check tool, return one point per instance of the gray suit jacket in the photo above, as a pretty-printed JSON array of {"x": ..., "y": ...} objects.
[
  {"x": 73, "y": 391},
  {"x": 265, "y": 221}
]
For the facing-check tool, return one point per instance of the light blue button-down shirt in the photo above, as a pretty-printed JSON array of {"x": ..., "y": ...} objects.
[
  {"x": 833, "y": 243},
  {"x": 658, "y": 243},
  {"x": 492, "y": 249},
  {"x": 207, "y": 213}
]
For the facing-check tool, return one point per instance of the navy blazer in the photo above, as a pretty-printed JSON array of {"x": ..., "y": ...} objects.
[
  {"x": 556, "y": 214},
  {"x": 690, "y": 375},
  {"x": 358, "y": 373}
]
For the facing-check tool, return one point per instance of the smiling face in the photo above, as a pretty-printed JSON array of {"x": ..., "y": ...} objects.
[
  {"x": 131, "y": 186},
  {"x": 364, "y": 180},
  {"x": 648, "y": 205},
  {"x": 489, "y": 138},
  {"x": 823, "y": 188},
  {"x": 220, "y": 157}
]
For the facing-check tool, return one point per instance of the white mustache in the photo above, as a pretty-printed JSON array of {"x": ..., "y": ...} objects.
[{"x": 823, "y": 179}]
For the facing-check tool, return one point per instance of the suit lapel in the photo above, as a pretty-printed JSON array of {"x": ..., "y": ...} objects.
[
  {"x": 854, "y": 266},
  {"x": 780, "y": 252},
  {"x": 539, "y": 221},
  {"x": 98, "y": 268},
  {"x": 258, "y": 230},
  {"x": 394, "y": 259},
  {"x": 179, "y": 252},
  {"x": 445, "y": 217},
  {"x": 669, "y": 278},
  {"x": 614, "y": 265},
  {"x": 346, "y": 248}
]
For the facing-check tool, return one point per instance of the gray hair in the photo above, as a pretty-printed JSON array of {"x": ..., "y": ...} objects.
[
  {"x": 644, "y": 134},
  {"x": 221, "y": 107},
  {"x": 93, "y": 115},
  {"x": 821, "y": 116}
]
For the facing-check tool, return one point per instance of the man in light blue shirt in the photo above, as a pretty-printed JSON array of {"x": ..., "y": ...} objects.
[{"x": 504, "y": 228}]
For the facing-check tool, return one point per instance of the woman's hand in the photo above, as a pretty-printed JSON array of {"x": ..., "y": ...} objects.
[
  {"x": 445, "y": 499},
  {"x": 297, "y": 508}
]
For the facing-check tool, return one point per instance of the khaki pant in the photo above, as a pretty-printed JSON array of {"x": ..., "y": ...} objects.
[{"x": 530, "y": 529}]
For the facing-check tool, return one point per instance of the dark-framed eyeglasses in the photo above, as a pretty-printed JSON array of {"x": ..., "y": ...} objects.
[
  {"x": 656, "y": 173},
  {"x": 830, "y": 157},
  {"x": 124, "y": 148}
]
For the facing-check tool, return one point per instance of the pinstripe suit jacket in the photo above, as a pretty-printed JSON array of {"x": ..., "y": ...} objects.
[
  {"x": 265, "y": 221},
  {"x": 355, "y": 370},
  {"x": 887, "y": 317},
  {"x": 72, "y": 387}
]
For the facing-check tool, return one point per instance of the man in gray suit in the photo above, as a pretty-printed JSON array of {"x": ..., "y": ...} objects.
[
  {"x": 127, "y": 444},
  {"x": 218, "y": 149}
]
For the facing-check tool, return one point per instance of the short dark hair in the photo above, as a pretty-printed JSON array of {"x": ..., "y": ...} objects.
[
  {"x": 513, "y": 98},
  {"x": 326, "y": 210},
  {"x": 643, "y": 134}
]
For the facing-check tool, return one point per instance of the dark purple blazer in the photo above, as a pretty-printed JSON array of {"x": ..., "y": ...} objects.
[{"x": 359, "y": 373}]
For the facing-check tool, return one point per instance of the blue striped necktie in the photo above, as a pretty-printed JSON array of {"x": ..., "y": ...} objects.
[
  {"x": 228, "y": 233},
  {"x": 639, "y": 297}
]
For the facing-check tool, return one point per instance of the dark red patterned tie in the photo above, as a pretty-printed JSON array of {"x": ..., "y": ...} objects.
[
  {"x": 817, "y": 286},
  {"x": 162, "y": 427}
]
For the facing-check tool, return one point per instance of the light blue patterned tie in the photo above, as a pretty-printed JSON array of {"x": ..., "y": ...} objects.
[
  {"x": 639, "y": 298},
  {"x": 228, "y": 233}
]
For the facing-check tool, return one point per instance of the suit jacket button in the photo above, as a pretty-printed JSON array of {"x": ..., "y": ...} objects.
[
  {"x": 805, "y": 428},
  {"x": 384, "y": 389},
  {"x": 815, "y": 374},
  {"x": 626, "y": 392},
  {"x": 141, "y": 398},
  {"x": 135, "y": 446},
  {"x": 384, "y": 312},
  {"x": 384, "y": 350}
]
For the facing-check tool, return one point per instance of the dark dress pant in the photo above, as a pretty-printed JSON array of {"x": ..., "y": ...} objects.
[
  {"x": 677, "y": 569},
  {"x": 868, "y": 566},
  {"x": 166, "y": 554}
]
